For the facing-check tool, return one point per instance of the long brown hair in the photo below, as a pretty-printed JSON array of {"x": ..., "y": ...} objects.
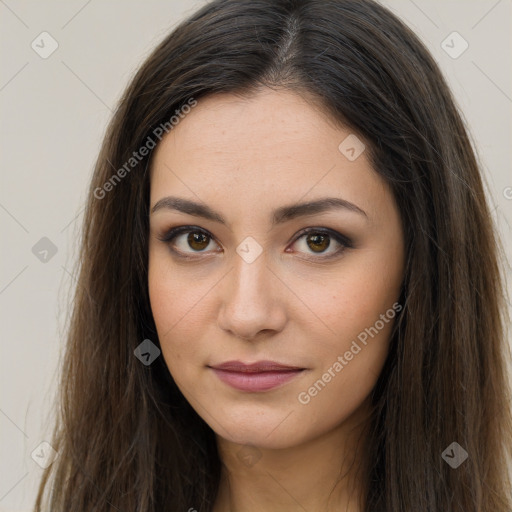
[{"x": 126, "y": 437}]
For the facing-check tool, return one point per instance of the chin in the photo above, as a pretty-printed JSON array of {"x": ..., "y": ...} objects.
[
  {"x": 258, "y": 440},
  {"x": 262, "y": 432}
]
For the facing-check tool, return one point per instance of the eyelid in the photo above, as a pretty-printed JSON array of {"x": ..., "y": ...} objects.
[
  {"x": 172, "y": 233},
  {"x": 341, "y": 239},
  {"x": 179, "y": 230}
]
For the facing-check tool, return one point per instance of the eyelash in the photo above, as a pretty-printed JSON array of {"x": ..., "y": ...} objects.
[{"x": 344, "y": 242}]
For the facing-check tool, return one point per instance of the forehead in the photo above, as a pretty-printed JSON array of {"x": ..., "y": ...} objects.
[
  {"x": 271, "y": 144},
  {"x": 249, "y": 126}
]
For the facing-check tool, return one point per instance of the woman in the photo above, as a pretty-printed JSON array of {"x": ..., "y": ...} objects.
[{"x": 289, "y": 294}]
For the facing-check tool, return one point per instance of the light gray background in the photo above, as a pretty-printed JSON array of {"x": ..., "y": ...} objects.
[{"x": 54, "y": 113}]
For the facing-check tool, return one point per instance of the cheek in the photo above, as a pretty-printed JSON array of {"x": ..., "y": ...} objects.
[
  {"x": 358, "y": 309},
  {"x": 175, "y": 294},
  {"x": 350, "y": 363},
  {"x": 351, "y": 301},
  {"x": 176, "y": 305}
]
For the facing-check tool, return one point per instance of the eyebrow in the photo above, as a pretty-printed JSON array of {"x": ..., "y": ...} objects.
[{"x": 280, "y": 215}]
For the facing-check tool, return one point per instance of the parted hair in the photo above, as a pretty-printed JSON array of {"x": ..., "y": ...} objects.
[{"x": 128, "y": 440}]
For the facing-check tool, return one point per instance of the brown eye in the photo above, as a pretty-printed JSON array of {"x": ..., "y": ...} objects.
[
  {"x": 187, "y": 240},
  {"x": 198, "y": 241},
  {"x": 309, "y": 241},
  {"x": 318, "y": 242}
]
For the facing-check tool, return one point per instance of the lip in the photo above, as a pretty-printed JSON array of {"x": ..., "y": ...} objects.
[
  {"x": 258, "y": 376},
  {"x": 257, "y": 367}
]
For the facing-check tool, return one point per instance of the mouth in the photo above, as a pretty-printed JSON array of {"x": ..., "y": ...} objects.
[{"x": 254, "y": 377}]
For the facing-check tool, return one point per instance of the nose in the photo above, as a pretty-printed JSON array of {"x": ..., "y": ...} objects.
[{"x": 253, "y": 300}]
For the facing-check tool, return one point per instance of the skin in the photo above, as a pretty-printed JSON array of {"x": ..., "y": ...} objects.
[{"x": 245, "y": 157}]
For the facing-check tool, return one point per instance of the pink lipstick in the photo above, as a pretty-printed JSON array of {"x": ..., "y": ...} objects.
[{"x": 258, "y": 376}]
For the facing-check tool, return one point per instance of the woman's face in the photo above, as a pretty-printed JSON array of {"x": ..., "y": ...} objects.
[{"x": 257, "y": 275}]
